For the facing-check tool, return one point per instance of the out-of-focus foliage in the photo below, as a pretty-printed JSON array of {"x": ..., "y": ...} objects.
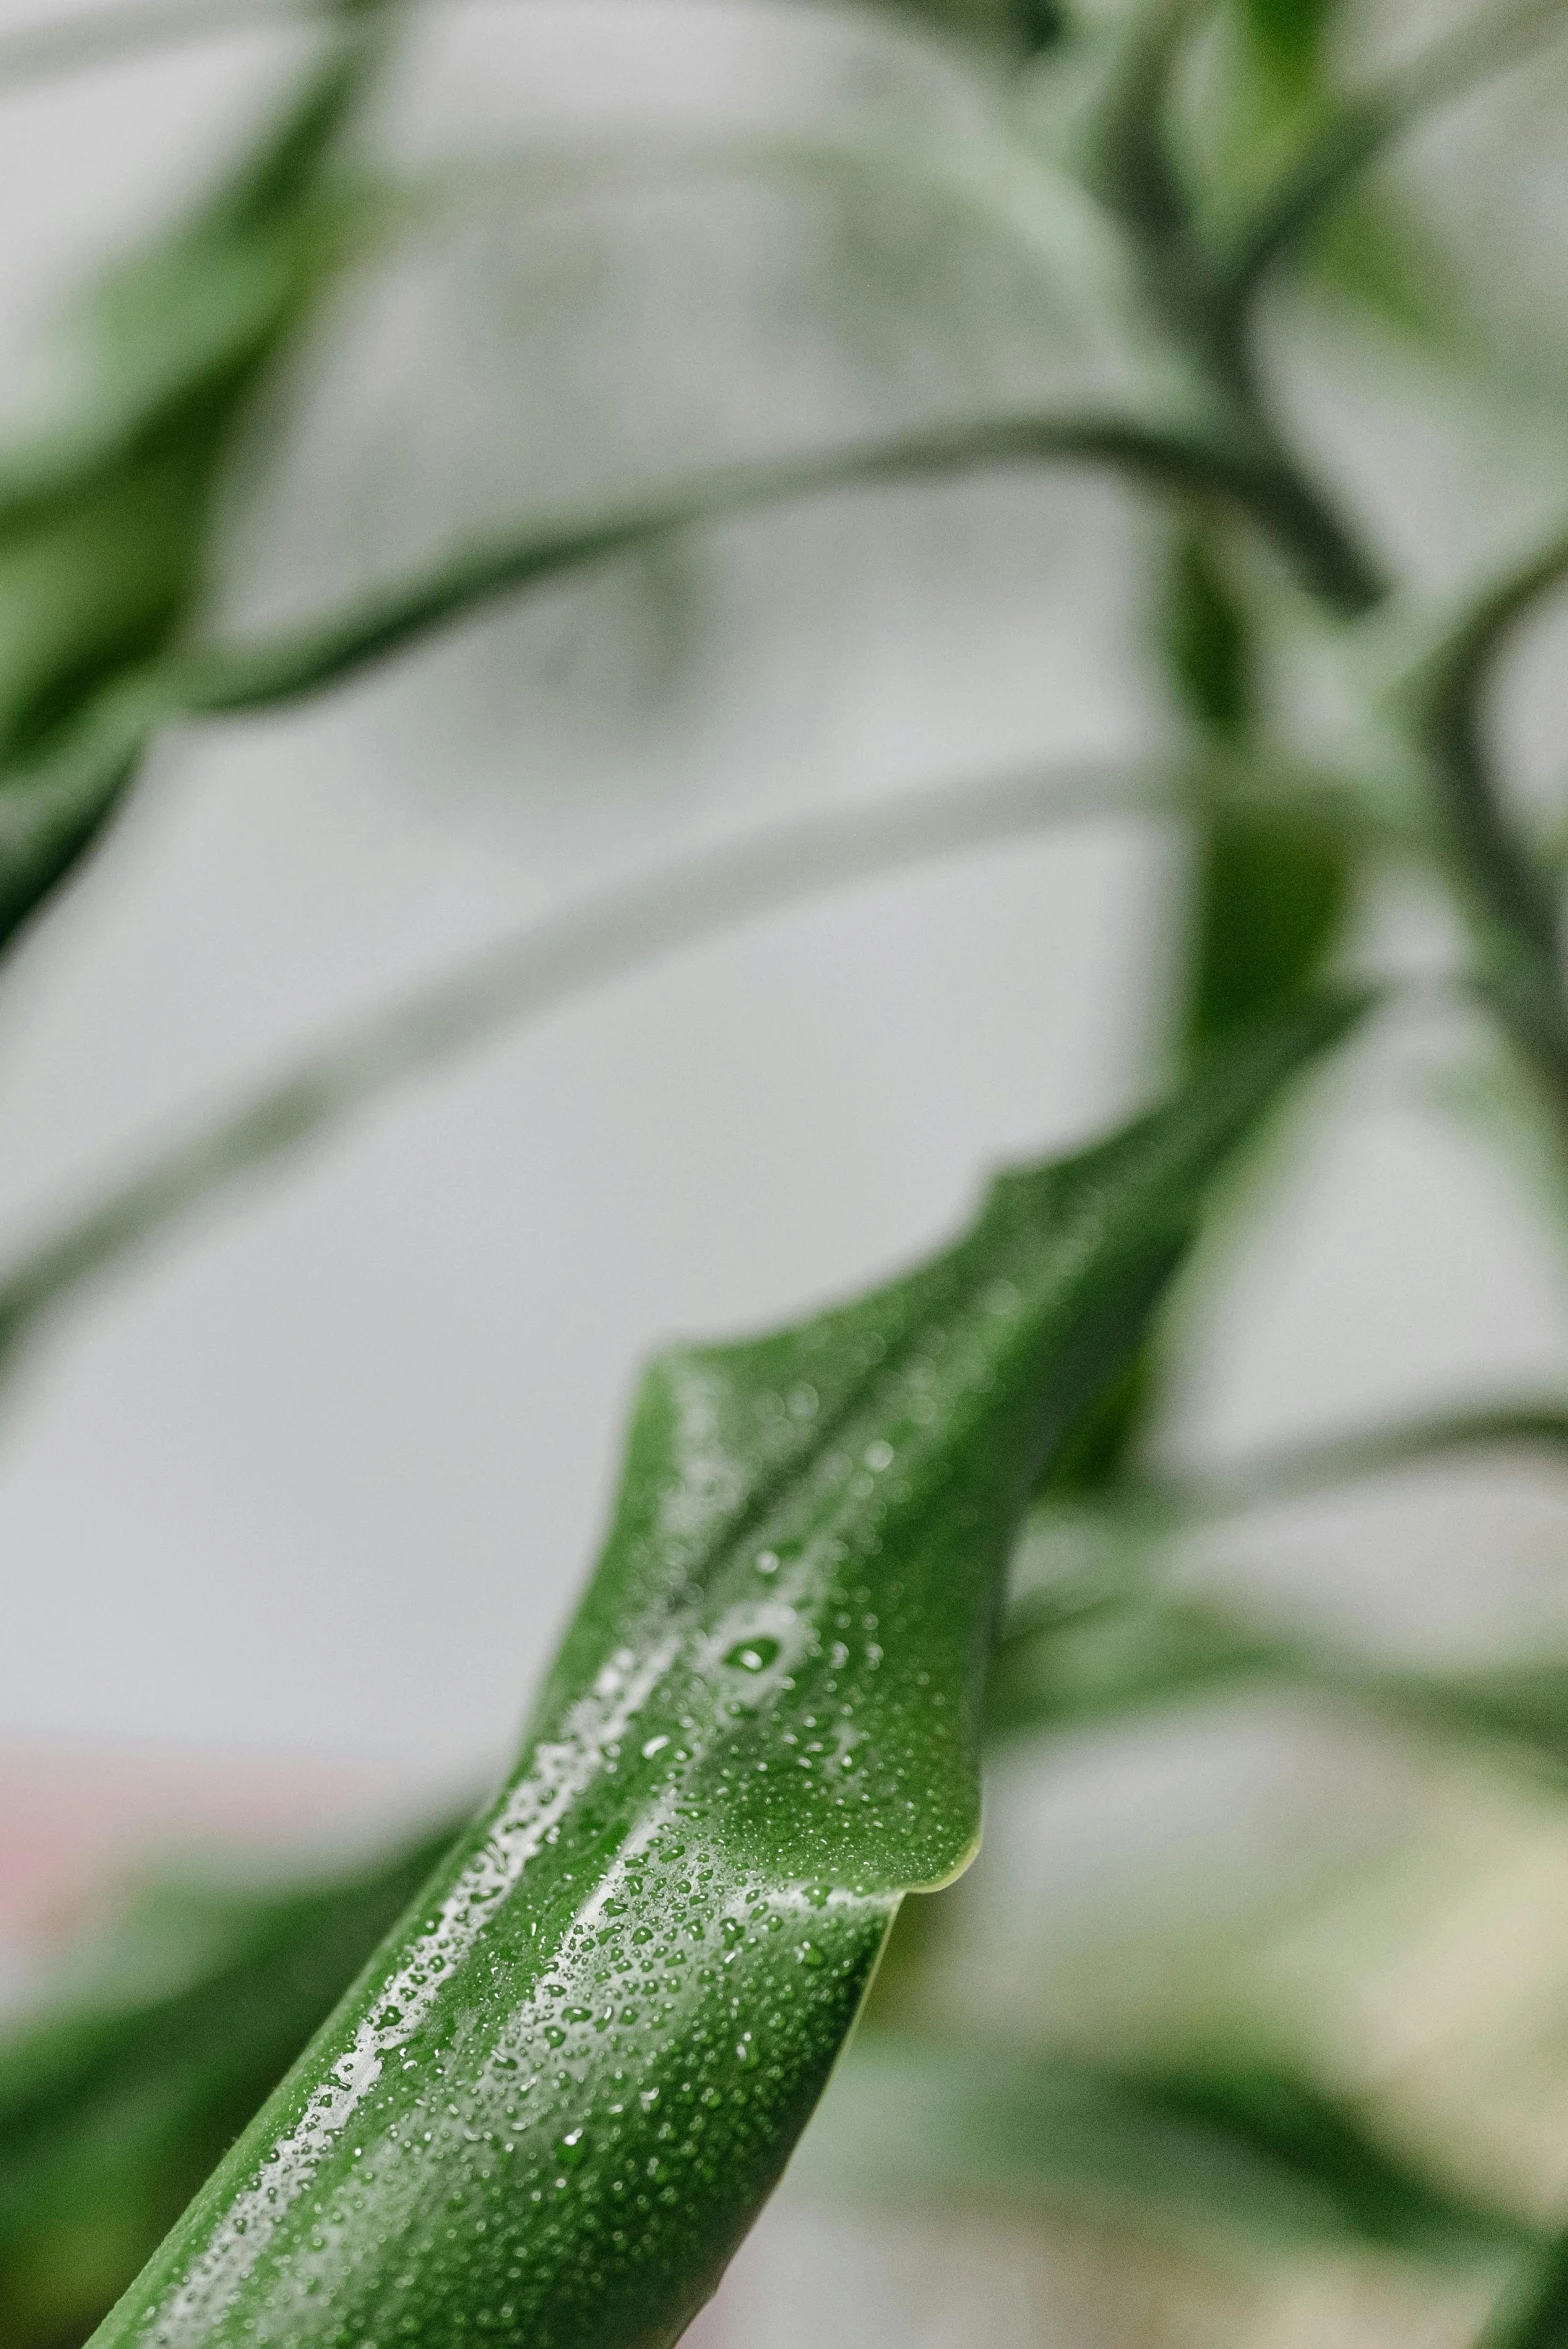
[
  {"x": 1070, "y": 236},
  {"x": 103, "y": 531},
  {"x": 117, "y": 2101},
  {"x": 1222, "y": 2146}
]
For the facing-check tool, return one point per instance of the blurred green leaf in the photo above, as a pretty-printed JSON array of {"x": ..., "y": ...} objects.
[
  {"x": 542, "y": 967},
  {"x": 1288, "y": 35},
  {"x": 1208, "y": 642},
  {"x": 116, "y": 2104},
  {"x": 1533, "y": 2312},
  {"x": 103, "y": 531},
  {"x": 1344, "y": 136},
  {"x": 1088, "y": 1545},
  {"x": 1268, "y": 902},
  {"x": 547, "y": 963},
  {"x": 1379, "y": 251},
  {"x": 567, "y": 2088},
  {"x": 1127, "y": 1647},
  {"x": 1138, "y": 1651},
  {"x": 1504, "y": 881},
  {"x": 1022, "y": 28},
  {"x": 1237, "y": 2147}
]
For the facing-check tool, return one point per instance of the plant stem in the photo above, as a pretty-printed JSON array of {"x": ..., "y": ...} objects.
[{"x": 1506, "y": 897}]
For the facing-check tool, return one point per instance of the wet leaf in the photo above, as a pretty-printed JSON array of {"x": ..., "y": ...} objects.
[{"x": 566, "y": 2088}]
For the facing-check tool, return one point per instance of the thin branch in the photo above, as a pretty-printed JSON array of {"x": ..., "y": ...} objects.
[
  {"x": 1371, "y": 122},
  {"x": 1140, "y": 1509},
  {"x": 543, "y": 968},
  {"x": 236, "y": 677},
  {"x": 51, "y": 811},
  {"x": 1314, "y": 1468},
  {"x": 997, "y": 182},
  {"x": 1512, "y": 893}
]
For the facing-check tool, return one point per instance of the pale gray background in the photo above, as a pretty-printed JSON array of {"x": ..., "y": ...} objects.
[{"x": 322, "y": 1478}]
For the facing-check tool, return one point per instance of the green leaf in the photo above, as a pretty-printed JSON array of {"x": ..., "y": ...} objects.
[
  {"x": 1021, "y": 28},
  {"x": 89, "y": 36},
  {"x": 1345, "y": 139},
  {"x": 564, "y": 2091},
  {"x": 1272, "y": 887},
  {"x": 1533, "y": 2313},
  {"x": 1112, "y": 1647},
  {"x": 103, "y": 530},
  {"x": 1505, "y": 883},
  {"x": 1208, "y": 642},
  {"x": 115, "y": 2104},
  {"x": 1288, "y": 36},
  {"x": 1238, "y": 2147}
]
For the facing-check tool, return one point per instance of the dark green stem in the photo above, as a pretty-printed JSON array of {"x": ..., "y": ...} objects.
[{"x": 1508, "y": 892}]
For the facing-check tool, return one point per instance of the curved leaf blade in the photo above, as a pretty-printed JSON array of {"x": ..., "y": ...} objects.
[{"x": 565, "y": 2087}]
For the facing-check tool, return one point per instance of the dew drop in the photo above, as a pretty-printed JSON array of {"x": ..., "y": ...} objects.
[{"x": 752, "y": 1655}]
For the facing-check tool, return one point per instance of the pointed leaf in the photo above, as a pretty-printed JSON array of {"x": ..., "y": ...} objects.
[{"x": 552, "y": 2106}]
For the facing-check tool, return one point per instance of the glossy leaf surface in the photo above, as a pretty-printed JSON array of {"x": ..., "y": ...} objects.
[{"x": 565, "y": 2090}]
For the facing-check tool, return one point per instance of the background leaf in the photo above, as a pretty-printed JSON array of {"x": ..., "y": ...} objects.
[
  {"x": 103, "y": 533},
  {"x": 116, "y": 2103},
  {"x": 1239, "y": 2147}
]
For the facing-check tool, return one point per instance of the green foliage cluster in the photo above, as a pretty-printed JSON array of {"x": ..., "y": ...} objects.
[{"x": 531, "y": 2080}]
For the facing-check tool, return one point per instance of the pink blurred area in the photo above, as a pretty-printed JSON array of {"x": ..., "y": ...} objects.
[{"x": 75, "y": 1822}]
